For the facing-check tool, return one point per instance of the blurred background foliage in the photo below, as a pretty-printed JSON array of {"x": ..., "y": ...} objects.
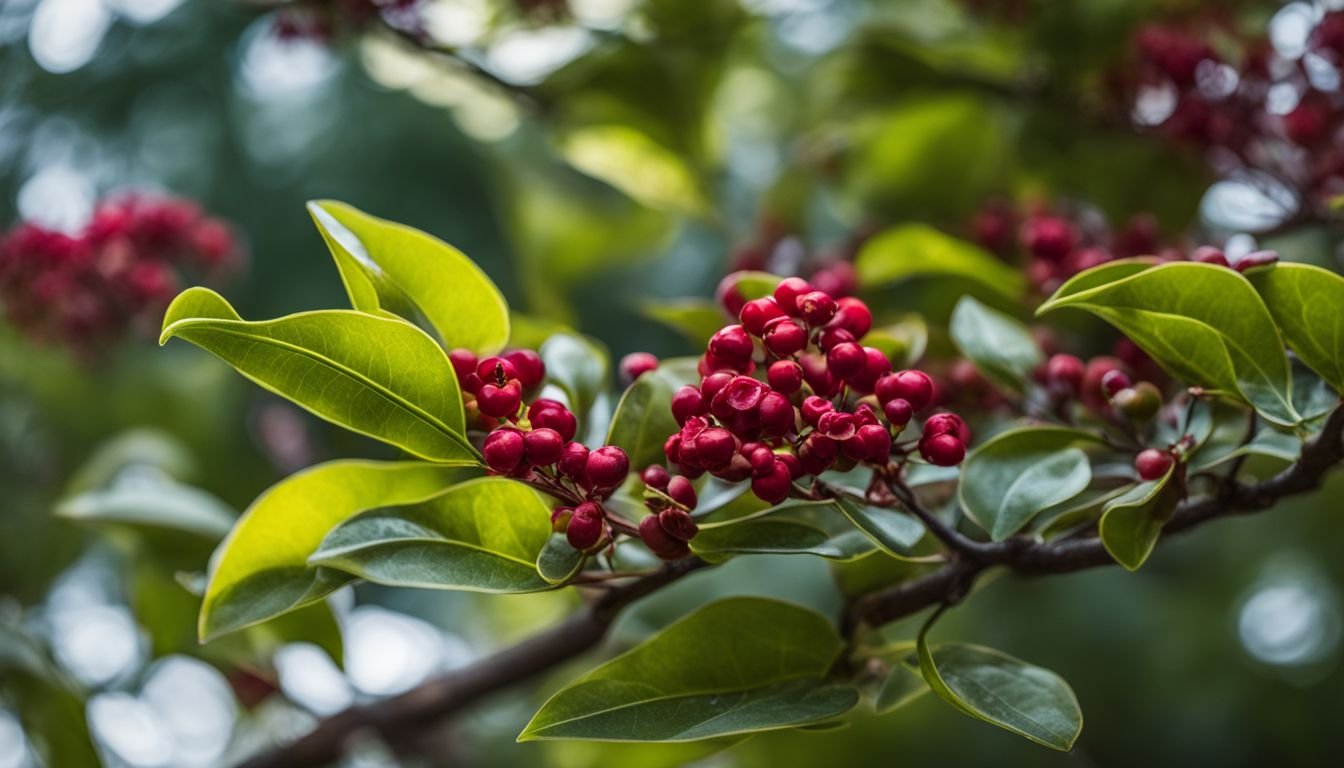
[{"x": 598, "y": 158}]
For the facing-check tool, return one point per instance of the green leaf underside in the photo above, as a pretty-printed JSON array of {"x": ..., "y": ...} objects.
[
  {"x": 643, "y": 418},
  {"x": 377, "y": 376},
  {"x": 735, "y": 666},
  {"x": 1130, "y": 524},
  {"x": 1307, "y": 302},
  {"x": 558, "y": 562},
  {"x": 385, "y": 265},
  {"x": 484, "y": 535},
  {"x": 893, "y": 531},
  {"x": 261, "y": 569},
  {"x": 994, "y": 687},
  {"x": 1018, "y": 474},
  {"x": 577, "y": 366},
  {"x": 917, "y": 250},
  {"x": 1001, "y": 347},
  {"x": 902, "y": 685},
  {"x": 1205, "y": 324},
  {"x": 165, "y": 505},
  {"x": 778, "y": 536}
]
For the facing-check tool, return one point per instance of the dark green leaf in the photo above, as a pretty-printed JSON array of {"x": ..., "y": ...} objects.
[
  {"x": 902, "y": 685},
  {"x": 917, "y": 250},
  {"x": 558, "y": 561},
  {"x": 893, "y": 531},
  {"x": 390, "y": 266},
  {"x": 578, "y": 366},
  {"x": 1019, "y": 473},
  {"x": 1001, "y": 347},
  {"x": 739, "y": 665},
  {"x": 643, "y": 418},
  {"x": 792, "y": 528},
  {"x": 378, "y": 376},
  {"x": 1131, "y": 523},
  {"x": 1308, "y": 304}
]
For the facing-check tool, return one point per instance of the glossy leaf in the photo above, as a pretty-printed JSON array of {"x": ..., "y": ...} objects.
[
  {"x": 902, "y": 341},
  {"x": 1131, "y": 523},
  {"x": 917, "y": 250},
  {"x": 1004, "y": 691},
  {"x": 643, "y": 418},
  {"x": 1001, "y": 347},
  {"x": 694, "y": 319},
  {"x": 893, "y": 531},
  {"x": 378, "y": 376},
  {"x": 390, "y": 266},
  {"x": 1307, "y": 302},
  {"x": 261, "y": 569},
  {"x": 1017, "y": 474},
  {"x": 792, "y": 528},
  {"x": 1205, "y": 324},
  {"x": 739, "y": 665},
  {"x": 156, "y": 503},
  {"x": 558, "y": 561},
  {"x": 578, "y": 366},
  {"x": 484, "y": 535}
]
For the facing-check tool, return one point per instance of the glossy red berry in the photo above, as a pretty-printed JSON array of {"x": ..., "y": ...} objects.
[
  {"x": 914, "y": 387},
  {"x": 464, "y": 362},
  {"x": 830, "y": 337},
  {"x": 714, "y": 447},
  {"x": 946, "y": 424},
  {"x": 814, "y": 407},
  {"x": 791, "y": 461},
  {"x": 678, "y": 524},
  {"x": 785, "y": 337},
  {"x": 837, "y": 425},
  {"x": 682, "y": 492},
  {"x": 944, "y": 450},
  {"x": 818, "y": 376},
  {"x": 731, "y": 343},
  {"x": 636, "y": 364},
  {"x": 687, "y": 402},
  {"x": 1064, "y": 373},
  {"x": 656, "y": 476},
  {"x": 817, "y": 308},
  {"x": 774, "y": 486},
  {"x": 607, "y": 467},
  {"x": 714, "y": 384},
  {"x": 876, "y": 365},
  {"x": 898, "y": 412},
  {"x": 1152, "y": 464},
  {"x": 729, "y": 295},
  {"x": 785, "y": 376},
  {"x": 503, "y": 450},
  {"x": 1114, "y": 382},
  {"x": 496, "y": 370},
  {"x": 744, "y": 393},
  {"x": 659, "y": 541},
  {"x": 854, "y": 316},
  {"x": 776, "y": 414},
  {"x": 874, "y": 443},
  {"x": 757, "y": 313},
  {"x": 542, "y": 447},
  {"x": 817, "y": 453},
  {"x": 573, "y": 460},
  {"x": 846, "y": 360},
  {"x": 787, "y": 293},
  {"x": 587, "y": 527},
  {"x": 500, "y": 402},
  {"x": 553, "y": 415},
  {"x": 531, "y": 369},
  {"x": 1097, "y": 368}
]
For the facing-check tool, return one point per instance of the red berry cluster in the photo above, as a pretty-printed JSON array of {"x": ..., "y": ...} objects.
[
  {"x": 117, "y": 273},
  {"x": 536, "y": 444},
  {"x": 319, "y": 21},
  {"x": 789, "y": 391},
  {"x": 669, "y": 529}
]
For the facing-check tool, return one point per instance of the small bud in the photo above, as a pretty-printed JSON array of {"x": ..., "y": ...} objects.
[
  {"x": 1152, "y": 464},
  {"x": 914, "y": 387},
  {"x": 682, "y": 492},
  {"x": 944, "y": 450},
  {"x": 1139, "y": 403},
  {"x": 636, "y": 364},
  {"x": 678, "y": 524},
  {"x": 656, "y": 476}
]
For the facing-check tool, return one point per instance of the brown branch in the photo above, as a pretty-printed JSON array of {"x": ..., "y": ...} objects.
[{"x": 401, "y": 718}]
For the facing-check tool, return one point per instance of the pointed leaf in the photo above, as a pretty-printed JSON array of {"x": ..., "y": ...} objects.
[
  {"x": 1131, "y": 523},
  {"x": 739, "y": 665},
  {"x": 918, "y": 250},
  {"x": 643, "y": 418},
  {"x": 1017, "y": 474},
  {"x": 261, "y": 569},
  {"x": 1308, "y": 304},
  {"x": 386, "y": 265},
  {"x": 1001, "y": 347},
  {"x": 160, "y": 503},
  {"x": 483, "y": 535},
  {"x": 893, "y": 531},
  {"x": 377, "y": 376},
  {"x": 1205, "y": 324}
]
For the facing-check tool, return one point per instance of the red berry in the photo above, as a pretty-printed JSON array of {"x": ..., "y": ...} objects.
[
  {"x": 543, "y": 447},
  {"x": 1065, "y": 373},
  {"x": 552, "y": 415},
  {"x": 946, "y": 424},
  {"x": 817, "y": 454},
  {"x": 898, "y": 412},
  {"x": 655, "y": 476},
  {"x": 713, "y": 384},
  {"x": 729, "y": 295},
  {"x": 818, "y": 376},
  {"x": 464, "y": 362},
  {"x": 1207, "y": 254},
  {"x": 776, "y": 414},
  {"x": 607, "y": 467},
  {"x": 1152, "y": 464},
  {"x": 503, "y": 450},
  {"x": 830, "y": 337},
  {"x": 874, "y": 443},
  {"x": 837, "y": 425},
  {"x": 678, "y": 524},
  {"x": 672, "y": 448},
  {"x": 791, "y": 461},
  {"x": 587, "y": 527},
  {"x": 875, "y": 366},
  {"x": 714, "y": 447},
  {"x": 1097, "y": 368},
  {"x": 762, "y": 459},
  {"x": 785, "y": 338},
  {"x": 775, "y": 486},
  {"x": 496, "y": 370},
  {"x": 757, "y": 312},
  {"x": 787, "y": 293},
  {"x": 573, "y": 460},
  {"x": 817, "y": 308},
  {"x": 814, "y": 407},
  {"x": 944, "y": 450},
  {"x": 687, "y": 402},
  {"x": 682, "y": 492},
  {"x": 500, "y": 402},
  {"x": 744, "y": 393},
  {"x": 846, "y": 360},
  {"x": 731, "y": 343},
  {"x": 914, "y": 387},
  {"x": 659, "y": 541},
  {"x": 636, "y": 364},
  {"x": 854, "y": 316},
  {"x": 1114, "y": 382},
  {"x": 785, "y": 376},
  {"x": 529, "y": 365}
]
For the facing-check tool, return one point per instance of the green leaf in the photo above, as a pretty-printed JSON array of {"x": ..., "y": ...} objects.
[
  {"x": 695, "y": 319},
  {"x": 1017, "y": 474},
  {"x": 159, "y": 503},
  {"x": 894, "y": 532},
  {"x": 902, "y": 685},
  {"x": 918, "y": 250},
  {"x": 1267, "y": 441},
  {"x": 1001, "y": 347},
  {"x": 578, "y": 366},
  {"x": 1308, "y": 304},
  {"x": 1004, "y": 691},
  {"x": 386, "y": 265},
  {"x": 756, "y": 285},
  {"x": 903, "y": 341},
  {"x": 378, "y": 376},
  {"x": 484, "y": 535},
  {"x": 643, "y": 418},
  {"x": 1204, "y": 324},
  {"x": 739, "y": 665},
  {"x": 261, "y": 570},
  {"x": 558, "y": 562},
  {"x": 793, "y": 528},
  {"x": 1131, "y": 523}
]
